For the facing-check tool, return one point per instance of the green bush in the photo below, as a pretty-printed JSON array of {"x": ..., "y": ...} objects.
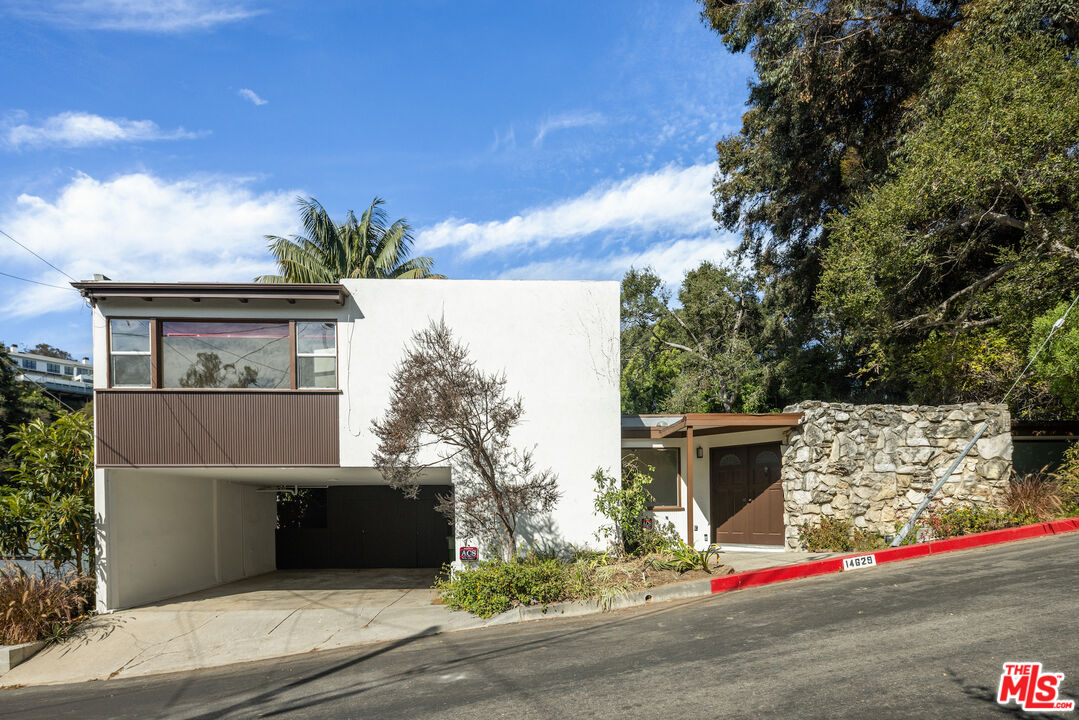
[
  {"x": 967, "y": 520},
  {"x": 624, "y": 503},
  {"x": 48, "y": 505},
  {"x": 838, "y": 535},
  {"x": 683, "y": 557},
  {"x": 494, "y": 586}
]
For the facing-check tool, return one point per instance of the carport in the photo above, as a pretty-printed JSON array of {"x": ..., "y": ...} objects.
[{"x": 176, "y": 531}]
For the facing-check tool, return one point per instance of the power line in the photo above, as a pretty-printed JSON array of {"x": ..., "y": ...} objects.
[
  {"x": 36, "y": 282},
  {"x": 38, "y": 256},
  {"x": 909, "y": 525}
]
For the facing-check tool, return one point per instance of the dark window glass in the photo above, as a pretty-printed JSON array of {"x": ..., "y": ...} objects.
[
  {"x": 225, "y": 354},
  {"x": 664, "y": 464},
  {"x": 29, "y": 364},
  {"x": 68, "y": 370},
  {"x": 53, "y": 368},
  {"x": 131, "y": 371},
  {"x": 130, "y": 336}
]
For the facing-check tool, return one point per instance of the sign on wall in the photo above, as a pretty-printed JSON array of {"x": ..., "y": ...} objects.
[{"x": 470, "y": 554}]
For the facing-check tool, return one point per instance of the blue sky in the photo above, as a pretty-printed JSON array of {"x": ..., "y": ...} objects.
[{"x": 552, "y": 140}]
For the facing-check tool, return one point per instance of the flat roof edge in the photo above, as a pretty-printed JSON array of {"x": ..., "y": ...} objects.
[{"x": 107, "y": 289}]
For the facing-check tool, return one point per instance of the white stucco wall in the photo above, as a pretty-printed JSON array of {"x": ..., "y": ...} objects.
[
  {"x": 557, "y": 343},
  {"x": 702, "y": 486},
  {"x": 167, "y": 535}
]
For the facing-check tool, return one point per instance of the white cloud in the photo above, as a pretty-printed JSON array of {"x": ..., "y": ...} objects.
[
  {"x": 670, "y": 260},
  {"x": 251, "y": 95},
  {"x": 162, "y": 16},
  {"x": 671, "y": 202},
  {"x": 79, "y": 129},
  {"x": 565, "y": 121},
  {"x": 141, "y": 227}
]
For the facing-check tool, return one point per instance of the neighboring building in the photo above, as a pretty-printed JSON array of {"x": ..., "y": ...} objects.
[
  {"x": 214, "y": 397},
  {"x": 72, "y": 381}
]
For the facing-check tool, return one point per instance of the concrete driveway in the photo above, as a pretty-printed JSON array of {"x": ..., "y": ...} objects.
[
  {"x": 281, "y": 613},
  {"x": 287, "y": 612},
  {"x": 918, "y": 639}
]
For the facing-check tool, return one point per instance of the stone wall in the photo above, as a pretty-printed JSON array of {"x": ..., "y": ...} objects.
[{"x": 875, "y": 463}]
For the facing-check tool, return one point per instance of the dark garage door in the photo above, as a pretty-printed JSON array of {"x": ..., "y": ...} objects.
[{"x": 367, "y": 526}]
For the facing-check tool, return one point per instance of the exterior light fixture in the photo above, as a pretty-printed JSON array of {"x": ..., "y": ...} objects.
[{"x": 700, "y": 451}]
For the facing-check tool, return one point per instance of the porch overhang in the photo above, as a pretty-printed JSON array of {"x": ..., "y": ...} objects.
[
  {"x": 658, "y": 427},
  {"x": 690, "y": 425}
]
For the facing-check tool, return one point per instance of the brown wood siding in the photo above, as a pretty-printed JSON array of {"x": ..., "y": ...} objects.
[{"x": 216, "y": 428}]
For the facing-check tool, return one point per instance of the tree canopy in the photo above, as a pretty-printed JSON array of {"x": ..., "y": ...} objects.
[
  {"x": 905, "y": 185},
  {"x": 975, "y": 231}
]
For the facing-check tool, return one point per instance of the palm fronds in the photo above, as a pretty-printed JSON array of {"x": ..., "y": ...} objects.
[{"x": 366, "y": 247}]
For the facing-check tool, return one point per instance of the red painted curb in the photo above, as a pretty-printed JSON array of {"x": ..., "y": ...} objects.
[{"x": 782, "y": 573}]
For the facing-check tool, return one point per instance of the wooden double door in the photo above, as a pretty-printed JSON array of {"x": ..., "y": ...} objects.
[{"x": 747, "y": 495}]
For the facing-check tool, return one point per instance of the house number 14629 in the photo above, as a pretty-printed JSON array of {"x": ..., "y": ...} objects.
[{"x": 859, "y": 561}]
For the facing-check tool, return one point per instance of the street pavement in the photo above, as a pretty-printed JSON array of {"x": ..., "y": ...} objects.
[{"x": 924, "y": 638}]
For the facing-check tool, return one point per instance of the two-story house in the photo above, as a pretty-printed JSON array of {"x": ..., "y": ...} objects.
[
  {"x": 72, "y": 381},
  {"x": 212, "y": 401}
]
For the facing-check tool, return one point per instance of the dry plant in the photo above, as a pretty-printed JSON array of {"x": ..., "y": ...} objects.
[
  {"x": 441, "y": 402},
  {"x": 38, "y": 607},
  {"x": 1036, "y": 494}
]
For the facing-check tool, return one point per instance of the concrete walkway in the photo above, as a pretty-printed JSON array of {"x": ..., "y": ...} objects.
[{"x": 288, "y": 613}]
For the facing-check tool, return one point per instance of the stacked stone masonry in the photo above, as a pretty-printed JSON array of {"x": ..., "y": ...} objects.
[{"x": 875, "y": 463}]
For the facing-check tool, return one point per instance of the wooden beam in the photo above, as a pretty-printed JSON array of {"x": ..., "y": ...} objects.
[
  {"x": 155, "y": 353},
  {"x": 292, "y": 369},
  {"x": 690, "y": 457},
  {"x": 663, "y": 431}
]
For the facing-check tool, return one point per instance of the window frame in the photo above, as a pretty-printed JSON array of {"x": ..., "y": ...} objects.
[
  {"x": 155, "y": 353},
  {"x": 49, "y": 368},
  {"x": 296, "y": 354},
  {"x": 28, "y": 364},
  {"x": 680, "y": 507},
  {"x": 110, "y": 353}
]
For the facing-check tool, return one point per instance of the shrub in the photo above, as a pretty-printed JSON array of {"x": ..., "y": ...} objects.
[
  {"x": 838, "y": 535},
  {"x": 494, "y": 586},
  {"x": 966, "y": 520},
  {"x": 1036, "y": 495},
  {"x": 684, "y": 557},
  {"x": 40, "y": 607},
  {"x": 49, "y": 504},
  {"x": 624, "y": 502}
]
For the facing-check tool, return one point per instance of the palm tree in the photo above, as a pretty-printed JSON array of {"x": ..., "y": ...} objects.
[{"x": 368, "y": 247}]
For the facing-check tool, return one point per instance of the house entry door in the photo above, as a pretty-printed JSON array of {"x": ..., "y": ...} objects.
[{"x": 747, "y": 495}]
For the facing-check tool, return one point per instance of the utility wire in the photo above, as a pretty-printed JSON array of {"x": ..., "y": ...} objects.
[
  {"x": 38, "y": 256},
  {"x": 1056, "y": 326},
  {"x": 909, "y": 525},
  {"x": 36, "y": 282}
]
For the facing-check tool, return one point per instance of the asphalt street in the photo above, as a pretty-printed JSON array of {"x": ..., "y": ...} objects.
[{"x": 924, "y": 638}]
